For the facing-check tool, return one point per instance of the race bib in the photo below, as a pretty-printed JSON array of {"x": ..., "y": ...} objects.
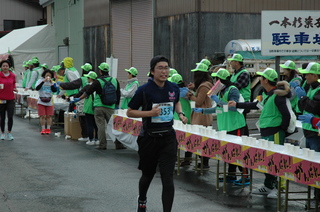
[{"x": 166, "y": 114}]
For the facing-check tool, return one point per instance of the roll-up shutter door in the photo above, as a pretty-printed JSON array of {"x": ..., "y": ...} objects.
[
  {"x": 132, "y": 38},
  {"x": 142, "y": 37},
  {"x": 121, "y": 37}
]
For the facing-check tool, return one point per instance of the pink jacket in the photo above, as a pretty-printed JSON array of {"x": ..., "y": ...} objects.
[{"x": 7, "y": 84}]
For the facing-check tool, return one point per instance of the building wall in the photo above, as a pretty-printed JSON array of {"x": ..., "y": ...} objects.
[
  {"x": 169, "y": 7},
  {"x": 17, "y": 10},
  {"x": 96, "y": 12},
  {"x": 68, "y": 22}
]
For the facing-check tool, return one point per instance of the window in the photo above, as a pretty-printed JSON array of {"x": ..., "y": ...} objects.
[{"x": 13, "y": 24}]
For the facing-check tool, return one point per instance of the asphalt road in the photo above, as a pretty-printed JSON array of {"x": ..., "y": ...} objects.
[{"x": 46, "y": 173}]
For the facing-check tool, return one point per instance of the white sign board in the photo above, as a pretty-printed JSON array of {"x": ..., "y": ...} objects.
[
  {"x": 290, "y": 32},
  {"x": 113, "y": 64}
]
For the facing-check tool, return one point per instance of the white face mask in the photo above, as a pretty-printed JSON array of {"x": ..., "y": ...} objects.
[{"x": 89, "y": 83}]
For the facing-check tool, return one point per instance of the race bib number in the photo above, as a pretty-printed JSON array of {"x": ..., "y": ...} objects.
[{"x": 166, "y": 114}]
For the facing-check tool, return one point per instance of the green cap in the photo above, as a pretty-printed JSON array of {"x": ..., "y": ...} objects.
[
  {"x": 34, "y": 60},
  {"x": 312, "y": 68},
  {"x": 25, "y": 64},
  {"x": 201, "y": 67},
  {"x": 236, "y": 57},
  {"x": 221, "y": 73},
  {"x": 176, "y": 78},
  {"x": 172, "y": 72},
  {"x": 87, "y": 67},
  {"x": 205, "y": 61},
  {"x": 104, "y": 67},
  {"x": 44, "y": 66},
  {"x": 29, "y": 62},
  {"x": 270, "y": 74},
  {"x": 91, "y": 75},
  {"x": 55, "y": 68},
  {"x": 288, "y": 65},
  {"x": 132, "y": 71}
]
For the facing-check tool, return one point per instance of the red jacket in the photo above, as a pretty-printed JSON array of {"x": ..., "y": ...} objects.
[{"x": 7, "y": 84}]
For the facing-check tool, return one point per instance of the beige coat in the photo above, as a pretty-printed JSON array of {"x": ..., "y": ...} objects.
[{"x": 202, "y": 101}]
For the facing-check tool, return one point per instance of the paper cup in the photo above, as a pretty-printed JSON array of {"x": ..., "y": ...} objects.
[
  {"x": 296, "y": 150},
  {"x": 244, "y": 139},
  {"x": 222, "y": 134},
  {"x": 305, "y": 152},
  {"x": 270, "y": 145},
  {"x": 225, "y": 108},
  {"x": 311, "y": 154}
]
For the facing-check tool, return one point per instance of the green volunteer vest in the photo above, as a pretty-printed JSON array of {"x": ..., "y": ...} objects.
[
  {"x": 270, "y": 115},
  {"x": 97, "y": 100},
  {"x": 186, "y": 108},
  {"x": 294, "y": 102},
  {"x": 245, "y": 92},
  {"x": 25, "y": 78},
  {"x": 88, "y": 105},
  {"x": 84, "y": 81},
  {"x": 125, "y": 101},
  {"x": 231, "y": 120},
  {"x": 38, "y": 76},
  {"x": 70, "y": 92},
  {"x": 310, "y": 94}
]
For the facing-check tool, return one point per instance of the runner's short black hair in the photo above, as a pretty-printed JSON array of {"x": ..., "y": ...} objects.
[{"x": 156, "y": 59}]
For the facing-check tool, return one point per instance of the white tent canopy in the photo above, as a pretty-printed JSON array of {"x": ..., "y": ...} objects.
[{"x": 25, "y": 43}]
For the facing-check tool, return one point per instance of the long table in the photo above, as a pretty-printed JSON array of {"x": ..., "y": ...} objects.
[{"x": 230, "y": 149}]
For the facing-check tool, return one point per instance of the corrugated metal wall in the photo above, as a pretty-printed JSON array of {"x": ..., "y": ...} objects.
[
  {"x": 169, "y": 7},
  {"x": 96, "y": 12},
  {"x": 182, "y": 40},
  {"x": 96, "y": 45}
]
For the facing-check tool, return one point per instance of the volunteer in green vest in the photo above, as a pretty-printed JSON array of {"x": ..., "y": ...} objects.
[
  {"x": 232, "y": 121},
  {"x": 132, "y": 85},
  {"x": 76, "y": 85},
  {"x": 241, "y": 79},
  {"x": 35, "y": 73},
  {"x": 88, "y": 110},
  {"x": 25, "y": 74},
  {"x": 274, "y": 119},
  {"x": 102, "y": 113},
  {"x": 291, "y": 76},
  {"x": 70, "y": 74},
  {"x": 309, "y": 103}
]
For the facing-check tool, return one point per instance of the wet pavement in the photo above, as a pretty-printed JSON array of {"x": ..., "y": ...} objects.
[{"x": 47, "y": 173}]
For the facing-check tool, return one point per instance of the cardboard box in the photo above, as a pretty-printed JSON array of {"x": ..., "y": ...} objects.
[{"x": 72, "y": 125}]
